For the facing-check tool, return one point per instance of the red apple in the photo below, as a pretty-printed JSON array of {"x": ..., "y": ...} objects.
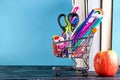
[{"x": 106, "y": 63}]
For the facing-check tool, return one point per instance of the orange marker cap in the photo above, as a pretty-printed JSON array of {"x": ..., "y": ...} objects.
[{"x": 94, "y": 30}]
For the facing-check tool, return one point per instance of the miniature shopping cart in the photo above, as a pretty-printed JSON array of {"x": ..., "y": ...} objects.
[
  {"x": 69, "y": 50},
  {"x": 77, "y": 42}
]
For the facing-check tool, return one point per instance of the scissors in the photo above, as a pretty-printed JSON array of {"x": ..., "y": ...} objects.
[{"x": 71, "y": 22}]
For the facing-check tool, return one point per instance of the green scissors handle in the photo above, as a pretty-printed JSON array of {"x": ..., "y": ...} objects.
[{"x": 68, "y": 27}]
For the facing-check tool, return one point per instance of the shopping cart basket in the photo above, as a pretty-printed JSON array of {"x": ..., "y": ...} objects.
[{"x": 73, "y": 52}]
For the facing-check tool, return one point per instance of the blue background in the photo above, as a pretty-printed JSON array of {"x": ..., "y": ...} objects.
[
  {"x": 116, "y": 27},
  {"x": 26, "y": 30}
]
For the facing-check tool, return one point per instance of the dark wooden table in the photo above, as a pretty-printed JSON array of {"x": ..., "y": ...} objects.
[{"x": 46, "y": 73}]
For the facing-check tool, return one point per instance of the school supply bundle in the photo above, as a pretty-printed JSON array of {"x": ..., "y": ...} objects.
[
  {"x": 76, "y": 40},
  {"x": 74, "y": 37}
]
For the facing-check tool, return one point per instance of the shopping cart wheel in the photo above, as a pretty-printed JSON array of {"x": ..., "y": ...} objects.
[
  {"x": 58, "y": 73},
  {"x": 84, "y": 72}
]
